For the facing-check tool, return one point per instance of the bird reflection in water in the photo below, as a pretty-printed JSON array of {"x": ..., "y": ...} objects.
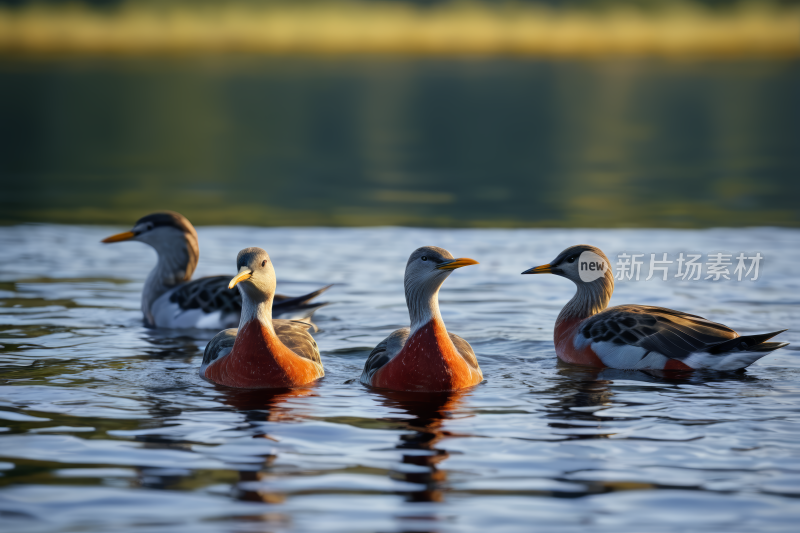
[
  {"x": 258, "y": 406},
  {"x": 585, "y": 390},
  {"x": 578, "y": 395},
  {"x": 166, "y": 344},
  {"x": 421, "y": 455}
]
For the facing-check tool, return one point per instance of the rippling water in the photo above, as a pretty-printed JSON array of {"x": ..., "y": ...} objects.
[{"x": 107, "y": 427}]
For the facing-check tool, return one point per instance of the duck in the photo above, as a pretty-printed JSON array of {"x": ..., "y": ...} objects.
[
  {"x": 424, "y": 357},
  {"x": 262, "y": 352},
  {"x": 171, "y": 299},
  {"x": 639, "y": 337}
]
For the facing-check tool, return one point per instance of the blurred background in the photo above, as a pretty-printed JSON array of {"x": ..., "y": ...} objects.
[{"x": 582, "y": 113}]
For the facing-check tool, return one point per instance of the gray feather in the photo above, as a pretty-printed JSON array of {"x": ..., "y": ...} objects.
[
  {"x": 387, "y": 349},
  {"x": 222, "y": 343},
  {"x": 673, "y": 334},
  {"x": 211, "y": 294}
]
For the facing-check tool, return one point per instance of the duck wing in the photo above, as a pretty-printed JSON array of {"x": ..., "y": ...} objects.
[
  {"x": 220, "y": 346},
  {"x": 648, "y": 337},
  {"x": 294, "y": 334},
  {"x": 465, "y": 350},
  {"x": 208, "y": 294},
  {"x": 211, "y": 294},
  {"x": 383, "y": 353},
  {"x": 297, "y": 307}
]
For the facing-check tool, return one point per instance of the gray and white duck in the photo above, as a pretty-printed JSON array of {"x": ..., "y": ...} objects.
[
  {"x": 639, "y": 337},
  {"x": 171, "y": 299}
]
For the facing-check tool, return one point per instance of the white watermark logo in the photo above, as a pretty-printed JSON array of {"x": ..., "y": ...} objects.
[
  {"x": 591, "y": 266},
  {"x": 688, "y": 267}
]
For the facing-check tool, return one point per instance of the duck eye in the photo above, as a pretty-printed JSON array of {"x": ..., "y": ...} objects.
[
  {"x": 264, "y": 263},
  {"x": 424, "y": 258}
]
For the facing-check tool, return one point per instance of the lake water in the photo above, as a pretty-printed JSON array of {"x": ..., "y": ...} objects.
[
  {"x": 368, "y": 141},
  {"x": 106, "y": 425}
]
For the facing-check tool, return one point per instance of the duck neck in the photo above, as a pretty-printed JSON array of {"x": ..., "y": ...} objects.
[
  {"x": 256, "y": 336},
  {"x": 176, "y": 264},
  {"x": 257, "y": 310},
  {"x": 590, "y": 298},
  {"x": 423, "y": 303}
]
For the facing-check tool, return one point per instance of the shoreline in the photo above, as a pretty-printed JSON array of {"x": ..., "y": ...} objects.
[{"x": 456, "y": 30}]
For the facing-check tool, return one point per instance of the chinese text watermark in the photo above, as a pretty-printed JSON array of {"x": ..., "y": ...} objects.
[{"x": 687, "y": 266}]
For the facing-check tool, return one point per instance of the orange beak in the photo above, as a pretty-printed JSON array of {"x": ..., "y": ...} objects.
[
  {"x": 544, "y": 269},
  {"x": 119, "y": 237},
  {"x": 244, "y": 273},
  {"x": 457, "y": 263}
]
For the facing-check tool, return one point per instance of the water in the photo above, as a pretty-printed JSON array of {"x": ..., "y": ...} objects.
[
  {"x": 397, "y": 141},
  {"x": 107, "y": 427}
]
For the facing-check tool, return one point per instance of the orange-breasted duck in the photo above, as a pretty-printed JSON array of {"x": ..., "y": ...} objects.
[
  {"x": 424, "y": 357},
  {"x": 641, "y": 337},
  {"x": 171, "y": 299},
  {"x": 262, "y": 352}
]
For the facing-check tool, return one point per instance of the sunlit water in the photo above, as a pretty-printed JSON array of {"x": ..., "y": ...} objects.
[{"x": 107, "y": 426}]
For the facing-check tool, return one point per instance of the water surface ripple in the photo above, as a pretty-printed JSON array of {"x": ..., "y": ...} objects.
[{"x": 105, "y": 425}]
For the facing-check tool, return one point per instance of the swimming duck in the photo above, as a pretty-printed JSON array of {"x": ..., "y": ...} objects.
[
  {"x": 262, "y": 352},
  {"x": 170, "y": 299},
  {"x": 424, "y": 357},
  {"x": 639, "y": 336}
]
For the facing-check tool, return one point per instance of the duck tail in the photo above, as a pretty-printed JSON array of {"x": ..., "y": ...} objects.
[
  {"x": 299, "y": 307},
  {"x": 311, "y": 295},
  {"x": 741, "y": 352},
  {"x": 745, "y": 342}
]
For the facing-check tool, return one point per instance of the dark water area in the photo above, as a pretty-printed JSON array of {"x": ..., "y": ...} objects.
[
  {"x": 396, "y": 141},
  {"x": 106, "y": 426}
]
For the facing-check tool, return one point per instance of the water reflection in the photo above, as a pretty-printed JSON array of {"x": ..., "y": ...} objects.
[
  {"x": 264, "y": 405},
  {"x": 174, "y": 344},
  {"x": 258, "y": 406},
  {"x": 435, "y": 142},
  {"x": 421, "y": 454},
  {"x": 578, "y": 396},
  {"x": 584, "y": 393}
]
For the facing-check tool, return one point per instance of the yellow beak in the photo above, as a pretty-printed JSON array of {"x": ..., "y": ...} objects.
[
  {"x": 457, "y": 263},
  {"x": 544, "y": 269},
  {"x": 125, "y": 236},
  {"x": 244, "y": 273}
]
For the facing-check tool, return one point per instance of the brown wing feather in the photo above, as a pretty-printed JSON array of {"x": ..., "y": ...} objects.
[
  {"x": 294, "y": 334},
  {"x": 465, "y": 350},
  {"x": 671, "y": 333}
]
